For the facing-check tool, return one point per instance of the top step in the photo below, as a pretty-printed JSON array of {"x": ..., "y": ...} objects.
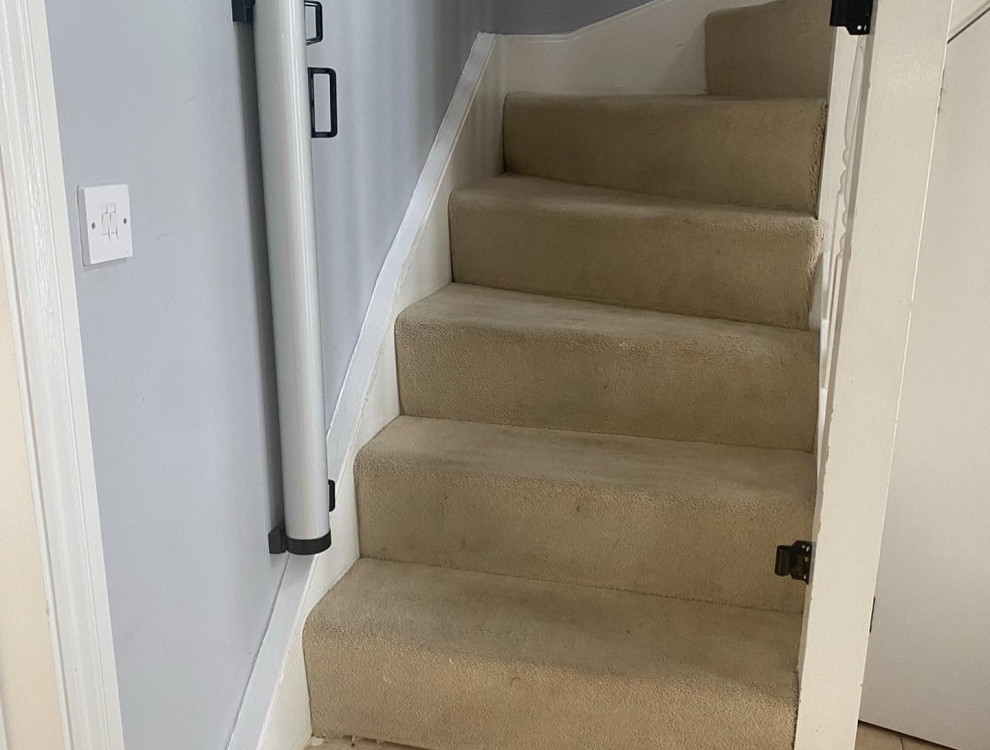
[
  {"x": 783, "y": 48},
  {"x": 764, "y": 153}
]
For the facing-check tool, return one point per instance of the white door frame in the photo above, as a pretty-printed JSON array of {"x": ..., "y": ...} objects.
[
  {"x": 37, "y": 255},
  {"x": 884, "y": 155}
]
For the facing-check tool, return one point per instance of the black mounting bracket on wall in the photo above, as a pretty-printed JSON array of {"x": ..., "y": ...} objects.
[
  {"x": 331, "y": 76},
  {"x": 856, "y": 16},
  {"x": 794, "y": 560},
  {"x": 243, "y": 11},
  {"x": 279, "y": 542}
]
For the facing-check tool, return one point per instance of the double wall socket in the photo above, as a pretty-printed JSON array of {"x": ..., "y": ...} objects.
[{"x": 105, "y": 215}]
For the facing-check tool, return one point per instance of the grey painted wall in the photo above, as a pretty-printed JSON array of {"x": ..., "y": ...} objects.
[
  {"x": 397, "y": 63},
  {"x": 177, "y": 348},
  {"x": 177, "y": 339}
]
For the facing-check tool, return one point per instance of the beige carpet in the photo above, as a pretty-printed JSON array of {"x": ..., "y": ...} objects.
[
  {"x": 450, "y": 659},
  {"x": 869, "y": 738},
  {"x": 608, "y": 511},
  {"x": 485, "y": 355},
  {"x": 776, "y": 49},
  {"x": 739, "y": 151},
  {"x": 645, "y": 251},
  {"x": 568, "y": 539}
]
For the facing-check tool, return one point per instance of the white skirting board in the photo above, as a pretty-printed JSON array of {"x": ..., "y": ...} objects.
[{"x": 658, "y": 47}]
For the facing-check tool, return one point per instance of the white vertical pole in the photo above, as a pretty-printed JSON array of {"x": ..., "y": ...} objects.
[{"x": 287, "y": 164}]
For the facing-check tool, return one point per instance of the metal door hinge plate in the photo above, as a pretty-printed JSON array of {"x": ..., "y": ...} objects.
[
  {"x": 243, "y": 11},
  {"x": 855, "y": 16},
  {"x": 794, "y": 560}
]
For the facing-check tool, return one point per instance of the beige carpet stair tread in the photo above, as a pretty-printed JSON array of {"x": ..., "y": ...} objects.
[
  {"x": 753, "y": 152},
  {"x": 558, "y": 238},
  {"x": 484, "y": 355},
  {"x": 690, "y": 520},
  {"x": 445, "y": 660},
  {"x": 776, "y": 49}
]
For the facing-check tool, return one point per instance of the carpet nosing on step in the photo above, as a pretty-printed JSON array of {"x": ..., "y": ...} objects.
[
  {"x": 590, "y": 197},
  {"x": 648, "y": 205},
  {"x": 589, "y": 319},
  {"x": 648, "y": 494},
  {"x": 587, "y": 585}
]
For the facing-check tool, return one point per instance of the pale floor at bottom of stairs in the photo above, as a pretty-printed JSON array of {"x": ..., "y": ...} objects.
[{"x": 869, "y": 738}]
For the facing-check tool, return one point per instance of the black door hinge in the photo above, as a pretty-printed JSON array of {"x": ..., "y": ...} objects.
[
  {"x": 794, "y": 560},
  {"x": 243, "y": 11},
  {"x": 856, "y": 16}
]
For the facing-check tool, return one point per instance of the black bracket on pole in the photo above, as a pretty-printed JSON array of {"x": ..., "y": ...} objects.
[
  {"x": 279, "y": 542},
  {"x": 317, "y": 7},
  {"x": 331, "y": 76},
  {"x": 856, "y": 16},
  {"x": 243, "y": 11}
]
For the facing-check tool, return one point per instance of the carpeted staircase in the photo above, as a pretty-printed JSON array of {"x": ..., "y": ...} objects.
[{"x": 568, "y": 537}]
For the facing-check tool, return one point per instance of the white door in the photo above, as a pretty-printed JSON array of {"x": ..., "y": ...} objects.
[{"x": 928, "y": 669}]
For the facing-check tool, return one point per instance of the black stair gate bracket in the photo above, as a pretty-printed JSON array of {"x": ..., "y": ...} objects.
[
  {"x": 856, "y": 16},
  {"x": 794, "y": 560},
  {"x": 317, "y": 7},
  {"x": 243, "y": 11},
  {"x": 279, "y": 542},
  {"x": 331, "y": 76}
]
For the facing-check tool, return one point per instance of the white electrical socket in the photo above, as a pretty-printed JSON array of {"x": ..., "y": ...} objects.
[{"x": 105, "y": 216}]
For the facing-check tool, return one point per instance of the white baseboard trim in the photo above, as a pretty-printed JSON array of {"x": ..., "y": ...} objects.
[
  {"x": 274, "y": 713},
  {"x": 964, "y": 13},
  {"x": 657, "y": 47}
]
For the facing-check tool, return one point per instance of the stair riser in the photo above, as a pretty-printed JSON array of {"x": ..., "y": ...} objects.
[
  {"x": 737, "y": 268},
  {"x": 774, "y": 49},
  {"x": 736, "y": 390},
  {"x": 751, "y": 153},
  {"x": 444, "y": 702},
  {"x": 672, "y": 543}
]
